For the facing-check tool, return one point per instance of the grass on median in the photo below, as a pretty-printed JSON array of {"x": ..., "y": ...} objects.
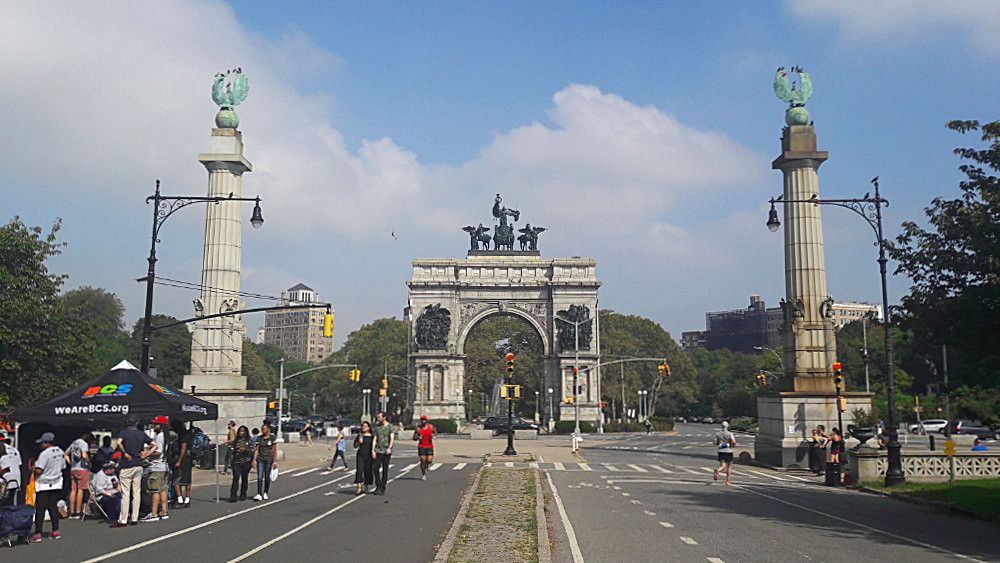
[
  {"x": 500, "y": 524},
  {"x": 979, "y": 496}
]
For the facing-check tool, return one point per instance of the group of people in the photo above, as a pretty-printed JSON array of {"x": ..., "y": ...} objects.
[
  {"x": 824, "y": 447},
  {"x": 374, "y": 445},
  {"x": 129, "y": 476},
  {"x": 257, "y": 449}
]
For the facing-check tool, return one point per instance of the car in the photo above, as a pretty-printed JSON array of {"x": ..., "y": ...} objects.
[
  {"x": 294, "y": 424},
  {"x": 707, "y": 420},
  {"x": 680, "y": 419},
  {"x": 980, "y": 430},
  {"x": 929, "y": 425},
  {"x": 318, "y": 422},
  {"x": 500, "y": 423}
]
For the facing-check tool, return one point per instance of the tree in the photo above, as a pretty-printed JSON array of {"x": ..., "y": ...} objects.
[
  {"x": 260, "y": 374},
  {"x": 632, "y": 336},
  {"x": 486, "y": 349},
  {"x": 954, "y": 265},
  {"x": 42, "y": 346},
  {"x": 169, "y": 347},
  {"x": 101, "y": 314}
]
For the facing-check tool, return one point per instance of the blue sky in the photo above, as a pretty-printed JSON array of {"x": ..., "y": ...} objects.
[{"x": 639, "y": 133}]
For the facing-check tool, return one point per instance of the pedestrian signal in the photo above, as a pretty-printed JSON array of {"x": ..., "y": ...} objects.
[
  {"x": 510, "y": 392},
  {"x": 328, "y": 325},
  {"x": 842, "y": 404}
]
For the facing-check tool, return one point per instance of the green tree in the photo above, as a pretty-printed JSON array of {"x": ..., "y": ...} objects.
[
  {"x": 42, "y": 346},
  {"x": 486, "y": 349},
  {"x": 169, "y": 347},
  {"x": 260, "y": 374},
  {"x": 954, "y": 265},
  {"x": 727, "y": 381},
  {"x": 632, "y": 336}
]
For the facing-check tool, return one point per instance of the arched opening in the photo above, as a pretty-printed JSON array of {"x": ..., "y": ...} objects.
[{"x": 487, "y": 343}]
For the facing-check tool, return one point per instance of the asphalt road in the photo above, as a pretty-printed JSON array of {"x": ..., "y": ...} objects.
[
  {"x": 312, "y": 515},
  {"x": 653, "y": 498}
]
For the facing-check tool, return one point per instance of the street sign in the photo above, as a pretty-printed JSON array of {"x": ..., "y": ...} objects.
[
  {"x": 279, "y": 395},
  {"x": 949, "y": 448}
]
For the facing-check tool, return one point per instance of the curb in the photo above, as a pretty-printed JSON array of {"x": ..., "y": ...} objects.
[
  {"x": 544, "y": 547},
  {"x": 449, "y": 540}
]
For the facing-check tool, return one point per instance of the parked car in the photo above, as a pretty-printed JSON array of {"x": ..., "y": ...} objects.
[
  {"x": 318, "y": 422},
  {"x": 707, "y": 420},
  {"x": 964, "y": 426},
  {"x": 294, "y": 424},
  {"x": 500, "y": 423},
  {"x": 680, "y": 419},
  {"x": 929, "y": 425}
]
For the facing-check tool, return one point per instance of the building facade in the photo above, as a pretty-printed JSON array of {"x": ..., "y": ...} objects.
[{"x": 299, "y": 333}]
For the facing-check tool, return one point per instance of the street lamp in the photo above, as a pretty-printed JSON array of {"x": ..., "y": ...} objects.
[
  {"x": 551, "y": 421},
  {"x": 576, "y": 372},
  {"x": 468, "y": 414},
  {"x": 163, "y": 208},
  {"x": 537, "y": 416},
  {"x": 870, "y": 209},
  {"x": 771, "y": 350}
]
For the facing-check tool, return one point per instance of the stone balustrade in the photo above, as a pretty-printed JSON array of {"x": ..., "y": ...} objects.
[{"x": 868, "y": 464}]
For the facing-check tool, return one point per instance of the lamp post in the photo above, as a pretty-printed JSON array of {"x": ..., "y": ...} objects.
[
  {"x": 537, "y": 416},
  {"x": 576, "y": 373},
  {"x": 163, "y": 208},
  {"x": 772, "y": 350},
  {"x": 870, "y": 209},
  {"x": 468, "y": 413},
  {"x": 551, "y": 420}
]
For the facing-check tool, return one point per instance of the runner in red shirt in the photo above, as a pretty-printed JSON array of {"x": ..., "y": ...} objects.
[{"x": 424, "y": 432}]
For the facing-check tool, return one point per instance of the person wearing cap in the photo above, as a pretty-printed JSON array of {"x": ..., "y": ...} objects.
[
  {"x": 105, "y": 487},
  {"x": 159, "y": 472},
  {"x": 725, "y": 441},
  {"x": 424, "y": 434},
  {"x": 10, "y": 475},
  {"x": 48, "y": 485},
  {"x": 132, "y": 448}
]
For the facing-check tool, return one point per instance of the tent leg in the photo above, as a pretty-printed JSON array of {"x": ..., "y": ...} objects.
[{"x": 215, "y": 465}]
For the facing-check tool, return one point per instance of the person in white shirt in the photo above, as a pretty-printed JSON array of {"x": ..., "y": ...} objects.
[
  {"x": 78, "y": 458},
  {"x": 159, "y": 472},
  {"x": 106, "y": 489},
  {"x": 48, "y": 485},
  {"x": 10, "y": 474}
]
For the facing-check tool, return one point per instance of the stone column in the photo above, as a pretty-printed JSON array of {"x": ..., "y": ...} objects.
[
  {"x": 217, "y": 344},
  {"x": 809, "y": 345}
]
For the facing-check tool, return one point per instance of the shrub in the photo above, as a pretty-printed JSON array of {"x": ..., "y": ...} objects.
[
  {"x": 661, "y": 424},
  {"x": 743, "y": 424},
  {"x": 567, "y": 427},
  {"x": 443, "y": 425}
]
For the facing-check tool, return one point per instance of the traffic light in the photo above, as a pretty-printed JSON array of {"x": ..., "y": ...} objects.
[
  {"x": 354, "y": 375},
  {"x": 510, "y": 366},
  {"x": 568, "y": 399},
  {"x": 666, "y": 368},
  {"x": 838, "y": 378},
  {"x": 385, "y": 382},
  {"x": 761, "y": 378},
  {"x": 328, "y": 325}
]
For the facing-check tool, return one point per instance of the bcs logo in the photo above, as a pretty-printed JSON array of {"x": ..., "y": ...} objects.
[
  {"x": 109, "y": 390},
  {"x": 161, "y": 389}
]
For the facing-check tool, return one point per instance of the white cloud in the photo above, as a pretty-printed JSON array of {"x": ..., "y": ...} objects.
[
  {"x": 103, "y": 100},
  {"x": 907, "y": 21}
]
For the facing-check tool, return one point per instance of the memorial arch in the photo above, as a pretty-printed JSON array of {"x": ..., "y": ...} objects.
[{"x": 450, "y": 296}]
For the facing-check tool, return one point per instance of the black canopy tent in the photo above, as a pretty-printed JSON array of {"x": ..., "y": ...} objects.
[
  {"x": 110, "y": 400},
  {"x": 121, "y": 394}
]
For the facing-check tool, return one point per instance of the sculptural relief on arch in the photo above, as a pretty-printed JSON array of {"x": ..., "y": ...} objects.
[{"x": 448, "y": 297}]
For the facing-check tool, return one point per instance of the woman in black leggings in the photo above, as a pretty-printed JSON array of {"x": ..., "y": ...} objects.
[
  {"x": 242, "y": 453},
  {"x": 364, "y": 473}
]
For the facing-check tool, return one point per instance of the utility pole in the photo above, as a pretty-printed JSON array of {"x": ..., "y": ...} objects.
[
  {"x": 281, "y": 394},
  {"x": 622, "y": 365}
]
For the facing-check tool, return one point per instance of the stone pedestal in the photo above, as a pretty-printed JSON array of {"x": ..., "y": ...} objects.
[
  {"x": 786, "y": 420},
  {"x": 245, "y": 406}
]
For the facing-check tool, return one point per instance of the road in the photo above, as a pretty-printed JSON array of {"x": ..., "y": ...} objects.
[
  {"x": 312, "y": 515},
  {"x": 653, "y": 498}
]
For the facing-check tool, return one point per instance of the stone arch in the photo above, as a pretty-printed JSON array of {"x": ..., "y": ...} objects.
[{"x": 466, "y": 329}]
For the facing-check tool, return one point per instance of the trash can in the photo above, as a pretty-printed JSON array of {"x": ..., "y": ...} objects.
[{"x": 832, "y": 474}]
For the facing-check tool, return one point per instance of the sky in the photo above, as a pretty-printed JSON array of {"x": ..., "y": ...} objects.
[{"x": 638, "y": 133}]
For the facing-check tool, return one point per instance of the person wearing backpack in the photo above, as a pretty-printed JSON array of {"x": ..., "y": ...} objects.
[{"x": 78, "y": 458}]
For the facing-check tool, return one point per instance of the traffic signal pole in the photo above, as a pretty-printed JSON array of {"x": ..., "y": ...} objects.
[{"x": 510, "y": 407}]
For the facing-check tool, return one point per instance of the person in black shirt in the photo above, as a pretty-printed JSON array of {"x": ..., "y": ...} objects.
[
  {"x": 182, "y": 465},
  {"x": 364, "y": 475},
  {"x": 132, "y": 443}
]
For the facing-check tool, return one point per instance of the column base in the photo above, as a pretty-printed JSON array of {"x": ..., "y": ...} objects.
[
  {"x": 439, "y": 410},
  {"x": 786, "y": 421},
  {"x": 588, "y": 413},
  {"x": 246, "y": 407}
]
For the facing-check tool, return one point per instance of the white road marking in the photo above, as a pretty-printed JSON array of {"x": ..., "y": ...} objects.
[
  {"x": 666, "y": 524},
  {"x": 558, "y": 466},
  {"x": 164, "y": 537},
  {"x": 857, "y": 525},
  {"x": 533, "y": 465},
  {"x": 661, "y": 469},
  {"x": 775, "y": 477},
  {"x": 508, "y": 464},
  {"x": 584, "y": 467},
  {"x": 286, "y": 471},
  {"x": 574, "y": 547},
  {"x": 626, "y": 494},
  {"x": 301, "y": 527},
  {"x": 715, "y": 560},
  {"x": 637, "y": 468},
  {"x": 691, "y": 471},
  {"x": 796, "y": 477},
  {"x": 649, "y": 513},
  {"x": 689, "y": 541},
  {"x": 610, "y": 467},
  {"x": 709, "y": 469},
  {"x": 306, "y": 472},
  {"x": 435, "y": 467},
  {"x": 685, "y": 447},
  {"x": 409, "y": 467},
  {"x": 458, "y": 467},
  {"x": 634, "y": 501}
]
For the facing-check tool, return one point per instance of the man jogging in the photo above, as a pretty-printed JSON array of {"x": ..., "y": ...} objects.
[
  {"x": 424, "y": 433},
  {"x": 385, "y": 439},
  {"x": 725, "y": 440},
  {"x": 340, "y": 446}
]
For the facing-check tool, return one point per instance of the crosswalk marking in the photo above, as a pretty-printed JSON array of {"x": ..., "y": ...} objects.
[
  {"x": 458, "y": 467},
  {"x": 558, "y": 466},
  {"x": 689, "y": 541},
  {"x": 585, "y": 467},
  {"x": 306, "y": 472},
  {"x": 408, "y": 467},
  {"x": 666, "y": 524},
  {"x": 637, "y": 468},
  {"x": 435, "y": 466},
  {"x": 691, "y": 471},
  {"x": 715, "y": 560},
  {"x": 796, "y": 477},
  {"x": 508, "y": 464},
  {"x": 610, "y": 467},
  {"x": 533, "y": 465},
  {"x": 709, "y": 469},
  {"x": 775, "y": 477},
  {"x": 661, "y": 469}
]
